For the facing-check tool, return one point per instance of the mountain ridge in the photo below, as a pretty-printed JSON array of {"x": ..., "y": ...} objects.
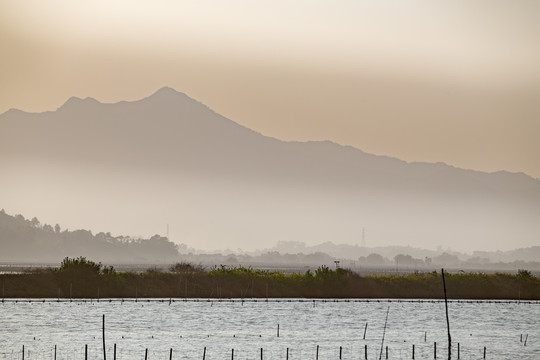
[
  {"x": 168, "y": 91},
  {"x": 226, "y": 181}
]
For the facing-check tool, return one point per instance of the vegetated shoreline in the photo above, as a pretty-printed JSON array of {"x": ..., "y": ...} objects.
[{"x": 79, "y": 278}]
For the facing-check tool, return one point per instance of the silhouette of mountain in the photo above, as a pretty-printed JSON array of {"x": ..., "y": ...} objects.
[
  {"x": 133, "y": 167},
  {"x": 25, "y": 240}
]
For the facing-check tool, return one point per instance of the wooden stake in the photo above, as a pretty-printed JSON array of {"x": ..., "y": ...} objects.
[
  {"x": 384, "y": 331},
  {"x": 104, "y": 350},
  {"x": 447, "y": 319}
]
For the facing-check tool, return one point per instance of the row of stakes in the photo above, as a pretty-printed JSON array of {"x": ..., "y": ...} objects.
[
  {"x": 262, "y": 353},
  {"x": 287, "y": 351}
]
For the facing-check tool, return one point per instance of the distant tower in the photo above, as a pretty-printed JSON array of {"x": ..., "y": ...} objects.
[{"x": 363, "y": 237}]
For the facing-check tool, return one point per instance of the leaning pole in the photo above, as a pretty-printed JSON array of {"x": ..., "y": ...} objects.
[{"x": 447, "y": 320}]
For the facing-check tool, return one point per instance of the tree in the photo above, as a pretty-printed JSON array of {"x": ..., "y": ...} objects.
[
  {"x": 35, "y": 222},
  {"x": 404, "y": 260},
  {"x": 57, "y": 229}
]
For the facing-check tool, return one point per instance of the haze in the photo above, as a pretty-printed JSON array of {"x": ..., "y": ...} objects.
[
  {"x": 453, "y": 82},
  {"x": 457, "y": 82}
]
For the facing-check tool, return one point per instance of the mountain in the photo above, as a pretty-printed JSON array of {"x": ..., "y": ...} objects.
[{"x": 134, "y": 167}]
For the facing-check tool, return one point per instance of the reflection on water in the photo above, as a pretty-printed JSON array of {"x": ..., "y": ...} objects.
[{"x": 189, "y": 327}]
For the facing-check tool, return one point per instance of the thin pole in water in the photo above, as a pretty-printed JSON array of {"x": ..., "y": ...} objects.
[
  {"x": 114, "y": 353},
  {"x": 365, "y": 352},
  {"x": 365, "y": 329},
  {"x": 484, "y": 352},
  {"x": 458, "y": 351},
  {"x": 340, "y": 349},
  {"x": 317, "y": 353},
  {"x": 261, "y": 353},
  {"x": 526, "y": 337},
  {"x": 277, "y": 330},
  {"x": 23, "y": 352},
  {"x": 54, "y": 352},
  {"x": 170, "y": 355},
  {"x": 104, "y": 351},
  {"x": 86, "y": 352},
  {"x": 146, "y": 354},
  {"x": 447, "y": 319},
  {"x": 435, "y": 350},
  {"x": 384, "y": 331},
  {"x": 287, "y": 358},
  {"x": 204, "y": 354},
  {"x": 413, "y": 351},
  {"x": 232, "y": 354}
]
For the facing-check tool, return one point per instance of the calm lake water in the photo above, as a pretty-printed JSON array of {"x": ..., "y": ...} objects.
[{"x": 188, "y": 327}]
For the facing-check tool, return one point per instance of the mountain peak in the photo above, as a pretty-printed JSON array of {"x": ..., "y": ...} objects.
[
  {"x": 167, "y": 92},
  {"x": 76, "y": 101}
]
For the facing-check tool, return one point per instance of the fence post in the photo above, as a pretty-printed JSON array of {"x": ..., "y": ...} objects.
[{"x": 104, "y": 350}]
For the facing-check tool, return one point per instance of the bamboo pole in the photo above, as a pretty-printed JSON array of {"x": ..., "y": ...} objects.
[{"x": 447, "y": 319}]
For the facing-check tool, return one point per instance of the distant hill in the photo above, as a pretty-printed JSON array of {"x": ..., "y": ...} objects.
[
  {"x": 133, "y": 167},
  {"x": 27, "y": 241}
]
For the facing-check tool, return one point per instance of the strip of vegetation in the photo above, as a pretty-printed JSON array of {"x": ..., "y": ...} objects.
[{"x": 82, "y": 278}]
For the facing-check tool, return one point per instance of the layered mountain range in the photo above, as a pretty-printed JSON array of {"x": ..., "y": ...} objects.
[{"x": 134, "y": 167}]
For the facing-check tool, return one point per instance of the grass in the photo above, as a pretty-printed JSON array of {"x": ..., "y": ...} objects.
[{"x": 82, "y": 278}]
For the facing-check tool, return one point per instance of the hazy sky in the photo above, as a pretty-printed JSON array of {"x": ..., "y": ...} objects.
[{"x": 451, "y": 81}]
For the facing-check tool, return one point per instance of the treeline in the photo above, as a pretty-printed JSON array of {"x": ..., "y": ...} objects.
[
  {"x": 82, "y": 278},
  {"x": 27, "y": 240}
]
